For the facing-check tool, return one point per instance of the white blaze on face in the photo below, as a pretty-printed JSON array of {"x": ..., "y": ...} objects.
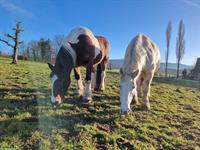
[
  {"x": 53, "y": 79},
  {"x": 126, "y": 94}
]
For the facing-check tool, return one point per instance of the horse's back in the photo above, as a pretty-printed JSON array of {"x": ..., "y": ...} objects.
[
  {"x": 104, "y": 44},
  {"x": 151, "y": 50},
  {"x": 86, "y": 46},
  {"x": 141, "y": 53},
  {"x": 76, "y": 32}
]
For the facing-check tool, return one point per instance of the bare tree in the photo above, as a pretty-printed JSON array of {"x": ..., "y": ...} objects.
[
  {"x": 57, "y": 41},
  {"x": 180, "y": 45},
  {"x": 15, "y": 38},
  {"x": 168, "y": 37}
]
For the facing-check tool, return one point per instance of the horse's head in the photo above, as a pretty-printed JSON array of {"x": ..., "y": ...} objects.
[
  {"x": 60, "y": 84},
  {"x": 127, "y": 89}
]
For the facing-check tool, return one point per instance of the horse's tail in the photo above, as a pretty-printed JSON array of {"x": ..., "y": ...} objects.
[{"x": 98, "y": 77}]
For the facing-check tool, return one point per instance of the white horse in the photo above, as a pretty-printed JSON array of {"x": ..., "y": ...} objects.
[{"x": 141, "y": 60}]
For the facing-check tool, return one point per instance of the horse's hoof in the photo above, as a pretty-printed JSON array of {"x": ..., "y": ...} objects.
[
  {"x": 56, "y": 105},
  {"x": 96, "y": 89},
  {"x": 87, "y": 99},
  {"x": 126, "y": 112},
  {"x": 80, "y": 94},
  {"x": 146, "y": 107},
  {"x": 102, "y": 89}
]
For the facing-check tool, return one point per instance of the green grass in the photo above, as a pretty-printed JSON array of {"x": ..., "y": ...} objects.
[{"x": 28, "y": 120}]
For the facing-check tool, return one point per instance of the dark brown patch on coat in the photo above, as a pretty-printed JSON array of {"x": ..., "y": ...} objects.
[
  {"x": 103, "y": 56},
  {"x": 85, "y": 50},
  {"x": 104, "y": 45}
]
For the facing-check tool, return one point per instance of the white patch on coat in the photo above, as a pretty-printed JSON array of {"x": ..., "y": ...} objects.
[
  {"x": 72, "y": 37},
  {"x": 142, "y": 55},
  {"x": 103, "y": 76},
  {"x": 80, "y": 87},
  {"x": 93, "y": 80},
  {"x": 53, "y": 79},
  {"x": 88, "y": 90}
]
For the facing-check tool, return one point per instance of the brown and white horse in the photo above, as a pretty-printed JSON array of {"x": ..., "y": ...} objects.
[
  {"x": 141, "y": 60},
  {"x": 80, "y": 48}
]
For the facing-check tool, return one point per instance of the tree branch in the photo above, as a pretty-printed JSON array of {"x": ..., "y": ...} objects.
[
  {"x": 10, "y": 36},
  {"x": 21, "y": 42},
  {"x": 6, "y": 42}
]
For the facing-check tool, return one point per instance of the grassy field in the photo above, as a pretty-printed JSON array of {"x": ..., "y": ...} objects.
[{"x": 28, "y": 120}]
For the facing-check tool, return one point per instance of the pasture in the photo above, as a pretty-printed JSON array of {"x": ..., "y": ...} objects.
[{"x": 28, "y": 120}]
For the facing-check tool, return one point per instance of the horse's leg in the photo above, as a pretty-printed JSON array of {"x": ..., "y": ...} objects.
[
  {"x": 139, "y": 85},
  {"x": 135, "y": 90},
  {"x": 103, "y": 76},
  {"x": 88, "y": 91},
  {"x": 93, "y": 80},
  {"x": 80, "y": 86},
  {"x": 146, "y": 90}
]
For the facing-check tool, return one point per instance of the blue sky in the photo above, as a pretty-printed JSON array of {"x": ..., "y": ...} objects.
[{"x": 118, "y": 20}]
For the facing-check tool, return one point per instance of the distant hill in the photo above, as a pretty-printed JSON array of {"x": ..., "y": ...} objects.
[{"x": 117, "y": 63}]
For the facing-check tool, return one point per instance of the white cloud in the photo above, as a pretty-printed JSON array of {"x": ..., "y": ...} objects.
[
  {"x": 11, "y": 7},
  {"x": 192, "y": 3}
]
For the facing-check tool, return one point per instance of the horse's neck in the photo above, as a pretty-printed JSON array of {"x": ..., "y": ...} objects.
[
  {"x": 66, "y": 48},
  {"x": 64, "y": 63}
]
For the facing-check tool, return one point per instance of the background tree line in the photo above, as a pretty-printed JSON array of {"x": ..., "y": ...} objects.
[{"x": 42, "y": 50}]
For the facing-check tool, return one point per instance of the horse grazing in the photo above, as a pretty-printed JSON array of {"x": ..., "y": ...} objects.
[
  {"x": 80, "y": 48},
  {"x": 141, "y": 60}
]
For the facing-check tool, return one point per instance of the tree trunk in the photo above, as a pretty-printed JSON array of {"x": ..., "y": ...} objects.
[
  {"x": 166, "y": 69},
  {"x": 15, "y": 55},
  {"x": 177, "y": 74},
  {"x": 166, "y": 63}
]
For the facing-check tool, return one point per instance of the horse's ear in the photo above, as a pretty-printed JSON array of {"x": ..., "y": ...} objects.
[
  {"x": 50, "y": 66},
  {"x": 73, "y": 45}
]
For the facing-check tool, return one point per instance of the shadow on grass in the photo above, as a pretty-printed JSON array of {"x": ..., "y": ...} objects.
[
  {"x": 96, "y": 107},
  {"x": 21, "y": 108},
  {"x": 20, "y": 115}
]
